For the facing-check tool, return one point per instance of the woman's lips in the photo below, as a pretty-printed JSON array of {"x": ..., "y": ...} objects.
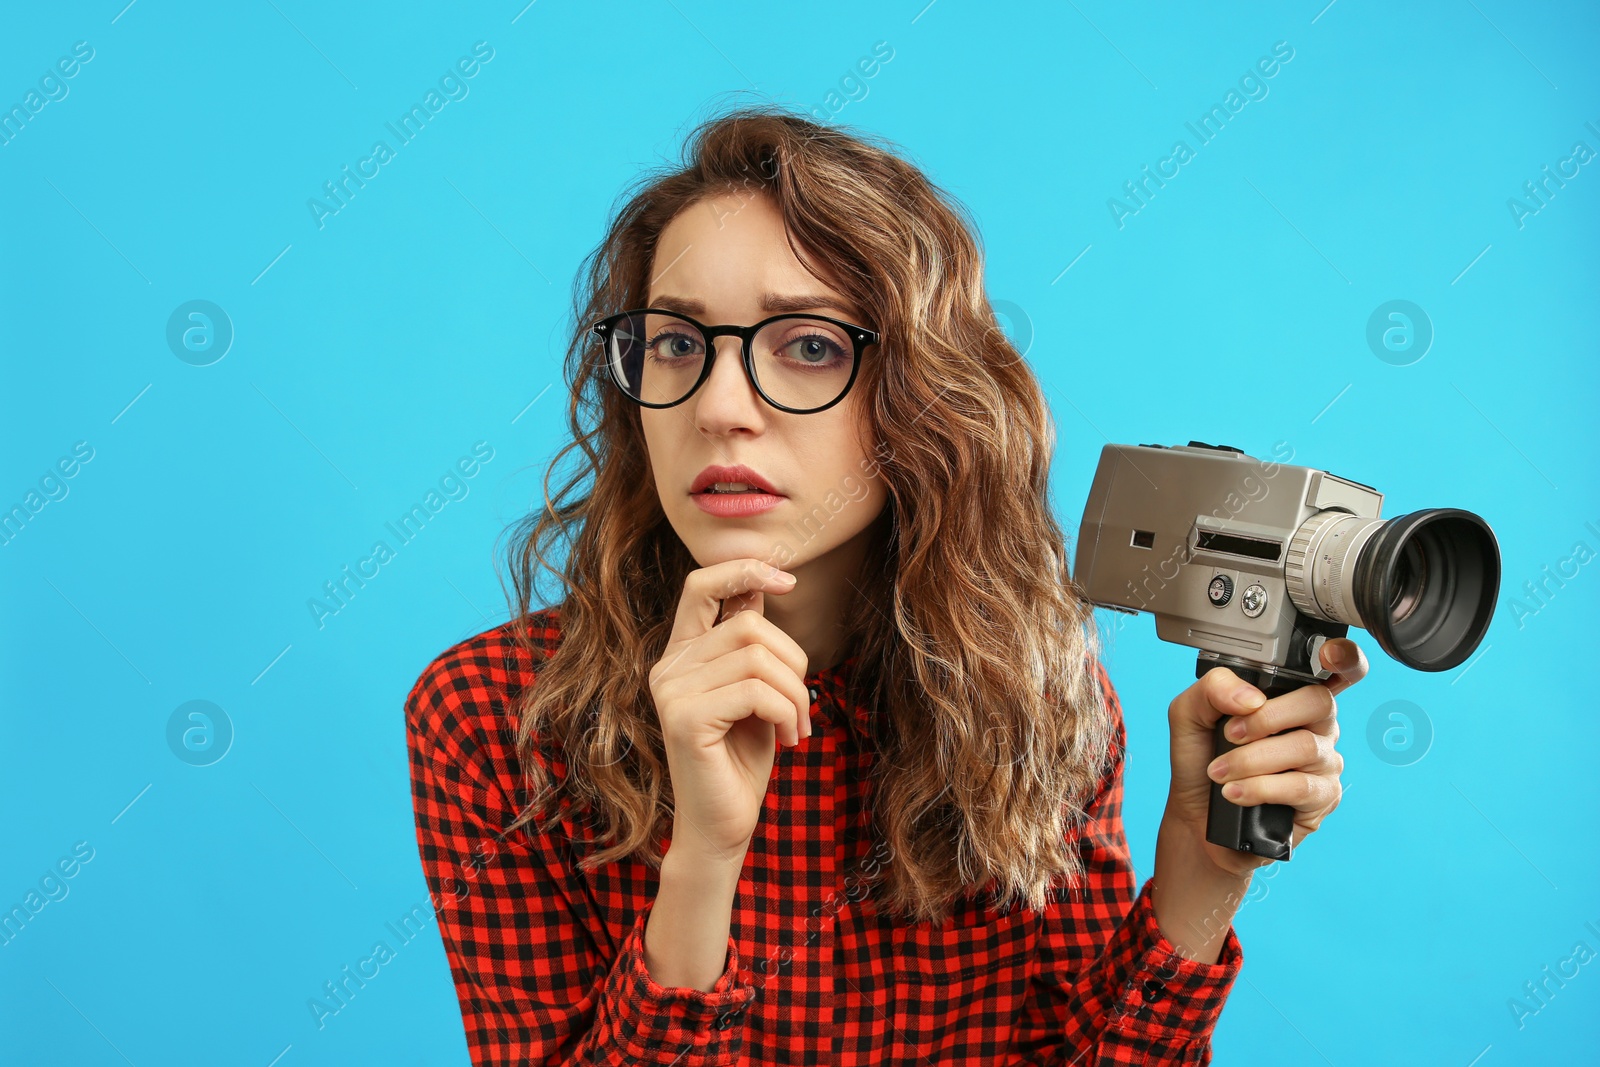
[{"x": 735, "y": 505}]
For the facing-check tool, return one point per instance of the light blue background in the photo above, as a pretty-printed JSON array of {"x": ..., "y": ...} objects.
[{"x": 431, "y": 311}]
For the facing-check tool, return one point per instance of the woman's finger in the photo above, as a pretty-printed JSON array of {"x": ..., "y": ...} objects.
[
  {"x": 748, "y": 628},
  {"x": 1300, "y": 707},
  {"x": 705, "y": 589},
  {"x": 1345, "y": 658},
  {"x": 1297, "y": 750},
  {"x": 754, "y": 660},
  {"x": 1216, "y": 693},
  {"x": 1304, "y": 792},
  {"x": 1328, "y": 727},
  {"x": 755, "y": 698}
]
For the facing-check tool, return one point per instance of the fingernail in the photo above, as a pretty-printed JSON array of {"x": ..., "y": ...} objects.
[
  {"x": 784, "y": 576},
  {"x": 1249, "y": 696},
  {"x": 1232, "y": 790},
  {"x": 1236, "y": 728},
  {"x": 1218, "y": 769}
]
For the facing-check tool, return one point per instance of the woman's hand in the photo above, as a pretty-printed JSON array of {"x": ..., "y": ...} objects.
[
  {"x": 724, "y": 693},
  {"x": 1300, "y": 767}
]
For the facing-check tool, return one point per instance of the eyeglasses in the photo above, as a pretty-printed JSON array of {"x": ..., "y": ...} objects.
[{"x": 798, "y": 363}]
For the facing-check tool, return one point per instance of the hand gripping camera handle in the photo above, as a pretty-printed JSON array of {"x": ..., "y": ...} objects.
[{"x": 1265, "y": 829}]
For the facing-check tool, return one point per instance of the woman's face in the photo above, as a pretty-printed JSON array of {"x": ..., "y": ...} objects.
[{"x": 720, "y": 261}]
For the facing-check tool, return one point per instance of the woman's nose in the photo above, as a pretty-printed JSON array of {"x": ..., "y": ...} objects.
[{"x": 729, "y": 388}]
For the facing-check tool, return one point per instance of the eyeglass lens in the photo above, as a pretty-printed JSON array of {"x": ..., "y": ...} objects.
[{"x": 800, "y": 362}]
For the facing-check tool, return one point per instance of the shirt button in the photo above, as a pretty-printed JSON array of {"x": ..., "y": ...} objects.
[
  {"x": 1153, "y": 990},
  {"x": 815, "y": 694},
  {"x": 728, "y": 1018}
]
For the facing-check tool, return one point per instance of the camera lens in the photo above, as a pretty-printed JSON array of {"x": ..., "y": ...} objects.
[
  {"x": 1410, "y": 578},
  {"x": 1424, "y": 585}
]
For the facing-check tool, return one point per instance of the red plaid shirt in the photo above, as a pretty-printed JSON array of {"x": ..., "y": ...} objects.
[{"x": 548, "y": 961}]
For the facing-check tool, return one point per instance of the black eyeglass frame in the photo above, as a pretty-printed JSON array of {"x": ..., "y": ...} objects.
[{"x": 860, "y": 337}]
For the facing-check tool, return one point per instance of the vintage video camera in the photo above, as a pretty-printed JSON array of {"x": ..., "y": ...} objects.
[{"x": 1257, "y": 563}]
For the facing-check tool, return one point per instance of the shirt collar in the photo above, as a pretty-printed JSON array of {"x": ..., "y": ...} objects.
[{"x": 831, "y": 684}]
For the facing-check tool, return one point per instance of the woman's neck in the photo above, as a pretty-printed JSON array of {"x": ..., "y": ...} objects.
[{"x": 813, "y": 612}]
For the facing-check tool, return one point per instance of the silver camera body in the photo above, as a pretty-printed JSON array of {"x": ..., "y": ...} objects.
[{"x": 1257, "y": 563}]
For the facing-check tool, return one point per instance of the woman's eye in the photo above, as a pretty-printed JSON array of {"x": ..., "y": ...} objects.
[
  {"x": 814, "y": 350},
  {"x": 673, "y": 344}
]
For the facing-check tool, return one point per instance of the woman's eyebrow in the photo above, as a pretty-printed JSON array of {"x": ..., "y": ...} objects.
[
  {"x": 777, "y": 304},
  {"x": 773, "y": 303}
]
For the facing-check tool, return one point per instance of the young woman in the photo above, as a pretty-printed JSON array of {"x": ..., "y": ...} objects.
[{"x": 815, "y": 761}]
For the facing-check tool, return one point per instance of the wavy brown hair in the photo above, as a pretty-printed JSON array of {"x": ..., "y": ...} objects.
[{"x": 975, "y": 649}]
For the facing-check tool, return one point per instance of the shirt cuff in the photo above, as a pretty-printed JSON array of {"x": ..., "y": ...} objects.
[
  {"x": 676, "y": 1025},
  {"x": 1170, "y": 1001}
]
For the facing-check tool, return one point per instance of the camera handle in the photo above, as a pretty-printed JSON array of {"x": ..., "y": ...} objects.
[{"x": 1263, "y": 829}]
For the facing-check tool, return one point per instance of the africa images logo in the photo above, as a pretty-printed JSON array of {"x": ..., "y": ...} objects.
[
  {"x": 453, "y": 86},
  {"x": 1252, "y": 87}
]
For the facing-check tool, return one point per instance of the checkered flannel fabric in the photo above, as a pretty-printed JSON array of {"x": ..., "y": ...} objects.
[{"x": 548, "y": 960}]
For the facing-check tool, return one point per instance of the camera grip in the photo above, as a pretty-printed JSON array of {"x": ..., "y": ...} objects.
[{"x": 1264, "y": 829}]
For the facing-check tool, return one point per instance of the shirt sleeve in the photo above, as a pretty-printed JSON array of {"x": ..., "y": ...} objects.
[
  {"x": 538, "y": 977},
  {"x": 1110, "y": 988}
]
